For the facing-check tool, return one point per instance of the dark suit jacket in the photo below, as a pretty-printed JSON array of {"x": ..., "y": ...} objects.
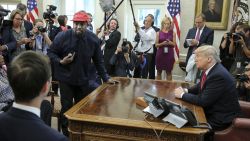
[
  {"x": 207, "y": 37},
  {"x": 9, "y": 40},
  {"x": 28, "y": 26},
  {"x": 218, "y": 97},
  {"x": 20, "y": 125},
  {"x": 110, "y": 48}
]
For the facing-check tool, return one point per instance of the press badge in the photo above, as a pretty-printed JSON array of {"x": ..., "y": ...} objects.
[
  {"x": 165, "y": 50},
  {"x": 238, "y": 65}
]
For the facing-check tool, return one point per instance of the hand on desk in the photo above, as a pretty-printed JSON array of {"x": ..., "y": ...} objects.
[
  {"x": 111, "y": 81},
  {"x": 178, "y": 92}
]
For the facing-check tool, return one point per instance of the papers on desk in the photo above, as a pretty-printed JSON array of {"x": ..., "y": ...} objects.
[
  {"x": 189, "y": 41},
  {"x": 176, "y": 120},
  {"x": 152, "y": 110}
]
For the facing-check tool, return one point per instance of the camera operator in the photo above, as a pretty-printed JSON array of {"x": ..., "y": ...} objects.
[
  {"x": 123, "y": 60},
  {"x": 226, "y": 46},
  {"x": 40, "y": 39},
  {"x": 51, "y": 21},
  {"x": 62, "y": 20},
  {"x": 240, "y": 49},
  {"x": 8, "y": 42}
]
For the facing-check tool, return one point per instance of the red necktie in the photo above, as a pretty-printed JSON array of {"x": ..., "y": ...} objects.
[
  {"x": 197, "y": 37},
  {"x": 203, "y": 79}
]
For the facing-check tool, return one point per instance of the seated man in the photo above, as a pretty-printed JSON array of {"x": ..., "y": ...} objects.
[
  {"x": 29, "y": 76},
  {"x": 216, "y": 92}
]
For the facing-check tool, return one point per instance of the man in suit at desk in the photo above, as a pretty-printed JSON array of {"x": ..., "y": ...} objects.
[
  {"x": 216, "y": 92},
  {"x": 198, "y": 36},
  {"x": 29, "y": 76}
]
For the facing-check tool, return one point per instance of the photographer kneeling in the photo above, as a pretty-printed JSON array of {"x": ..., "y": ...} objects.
[
  {"x": 40, "y": 40},
  {"x": 123, "y": 60}
]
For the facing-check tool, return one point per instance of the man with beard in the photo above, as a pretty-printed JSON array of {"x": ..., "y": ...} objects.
[{"x": 72, "y": 52}]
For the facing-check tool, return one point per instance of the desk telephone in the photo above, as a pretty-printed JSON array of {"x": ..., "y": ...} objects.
[{"x": 173, "y": 108}]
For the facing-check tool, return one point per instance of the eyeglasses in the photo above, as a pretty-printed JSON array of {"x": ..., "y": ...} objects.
[
  {"x": 247, "y": 69},
  {"x": 18, "y": 19}
]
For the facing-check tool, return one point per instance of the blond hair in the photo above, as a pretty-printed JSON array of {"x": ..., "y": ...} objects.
[
  {"x": 14, "y": 12},
  {"x": 163, "y": 21}
]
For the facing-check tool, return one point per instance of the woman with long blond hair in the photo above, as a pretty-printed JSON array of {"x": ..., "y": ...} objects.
[{"x": 165, "y": 43}]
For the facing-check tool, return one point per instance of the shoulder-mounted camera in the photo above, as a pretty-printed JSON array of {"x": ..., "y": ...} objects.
[{"x": 49, "y": 15}]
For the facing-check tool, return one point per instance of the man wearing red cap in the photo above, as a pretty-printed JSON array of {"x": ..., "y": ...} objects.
[{"x": 72, "y": 52}]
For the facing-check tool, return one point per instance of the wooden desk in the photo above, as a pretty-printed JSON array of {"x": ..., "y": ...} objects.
[{"x": 110, "y": 113}]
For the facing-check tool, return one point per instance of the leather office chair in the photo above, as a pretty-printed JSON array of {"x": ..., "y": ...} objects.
[
  {"x": 240, "y": 128},
  {"x": 56, "y": 104}
]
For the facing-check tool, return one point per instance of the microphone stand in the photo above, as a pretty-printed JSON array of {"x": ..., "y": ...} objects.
[{"x": 133, "y": 13}]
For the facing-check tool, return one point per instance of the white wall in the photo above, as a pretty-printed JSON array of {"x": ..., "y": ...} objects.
[
  {"x": 124, "y": 14},
  {"x": 187, "y": 19}
]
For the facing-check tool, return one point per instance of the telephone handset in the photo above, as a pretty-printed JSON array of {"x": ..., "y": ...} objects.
[
  {"x": 189, "y": 116},
  {"x": 176, "y": 109},
  {"x": 175, "y": 113},
  {"x": 150, "y": 99}
]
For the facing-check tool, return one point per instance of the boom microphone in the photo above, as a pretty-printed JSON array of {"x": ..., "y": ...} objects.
[{"x": 106, "y": 5}]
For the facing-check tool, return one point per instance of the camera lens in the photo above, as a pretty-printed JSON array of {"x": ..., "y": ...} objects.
[
  {"x": 41, "y": 29},
  {"x": 125, "y": 49}
]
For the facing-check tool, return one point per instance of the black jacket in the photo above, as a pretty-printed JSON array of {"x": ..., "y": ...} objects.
[
  {"x": 20, "y": 125},
  {"x": 86, "y": 47}
]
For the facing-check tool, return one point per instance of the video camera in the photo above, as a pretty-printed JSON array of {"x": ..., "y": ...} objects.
[
  {"x": 125, "y": 48},
  {"x": 49, "y": 15},
  {"x": 3, "y": 12}
]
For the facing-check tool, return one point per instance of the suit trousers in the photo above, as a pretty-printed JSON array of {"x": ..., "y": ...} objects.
[
  {"x": 71, "y": 94},
  {"x": 146, "y": 71},
  {"x": 46, "y": 112}
]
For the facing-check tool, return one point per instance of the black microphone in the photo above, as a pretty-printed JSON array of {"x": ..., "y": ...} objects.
[
  {"x": 4, "y": 12},
  {"x": 106, "y": 5}
]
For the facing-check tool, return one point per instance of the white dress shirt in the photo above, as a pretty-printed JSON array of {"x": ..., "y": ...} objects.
[
  {"x": 148, "y": 37},
  {"x": 33, "y": 110}
]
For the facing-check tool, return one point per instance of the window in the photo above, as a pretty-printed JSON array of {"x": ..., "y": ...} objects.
[
  {"x": 77, "y": 5},
  {"x": 143, "y": 12}
]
